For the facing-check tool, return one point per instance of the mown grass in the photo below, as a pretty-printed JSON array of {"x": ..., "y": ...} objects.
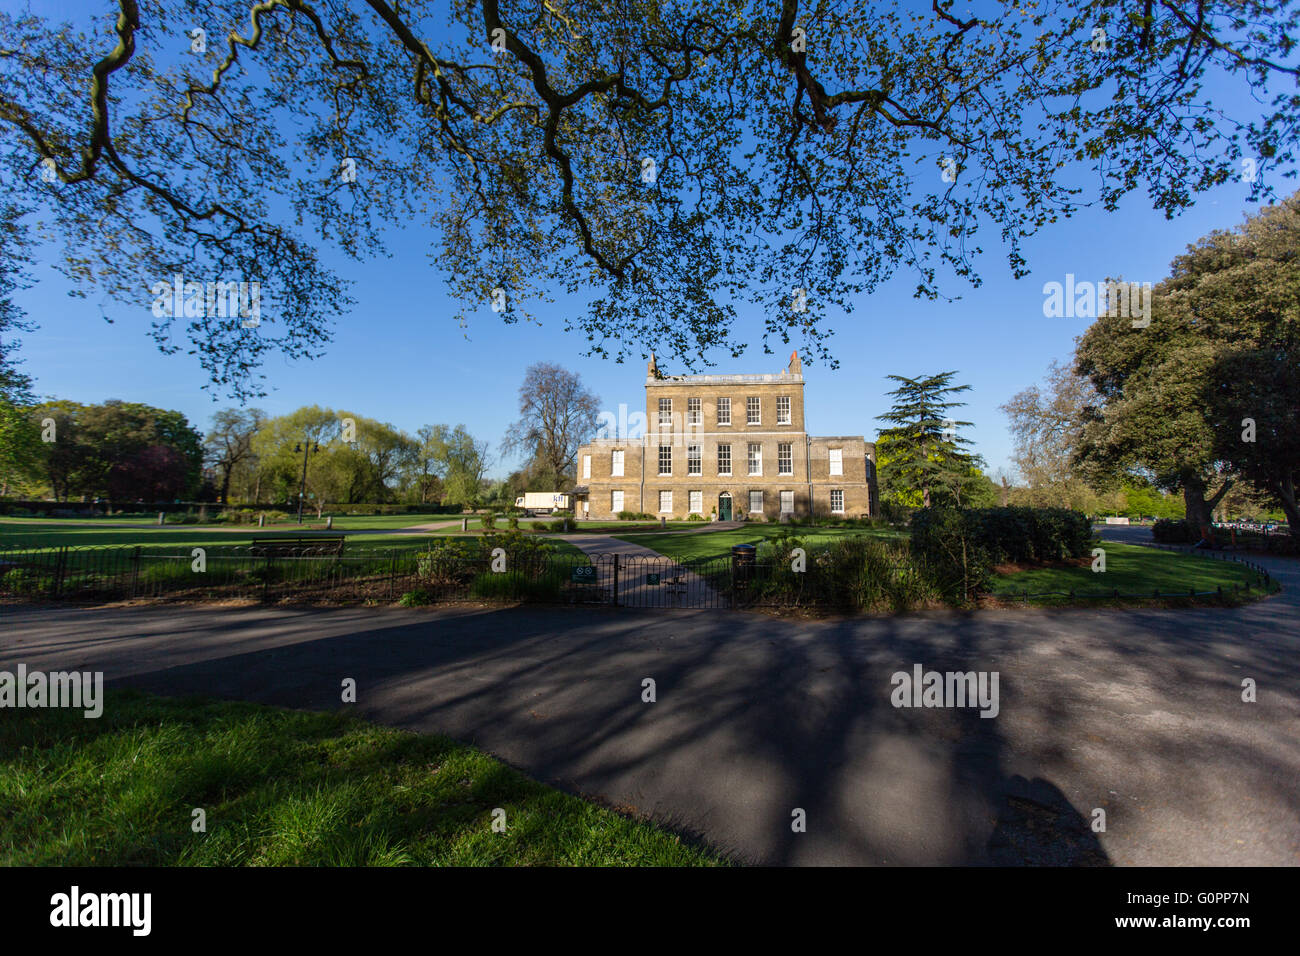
[
  {"x": 717, "y": 544},
  {"x": 1130, "y": 569},
  {"x": 35, "y": 534},
  {"x": 282, "y": 788},
  {"x": 80, "y": 535}
]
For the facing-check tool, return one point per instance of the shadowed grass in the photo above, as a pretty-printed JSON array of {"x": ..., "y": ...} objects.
[
  {"x": 1132, "y": 570},
  {"x": 282, "y": 787}
]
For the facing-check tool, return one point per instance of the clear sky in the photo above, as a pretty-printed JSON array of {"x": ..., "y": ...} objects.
[{"x": 400, "y": 357}]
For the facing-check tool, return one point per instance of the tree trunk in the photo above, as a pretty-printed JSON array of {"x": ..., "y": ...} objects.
[
  {"x": 1199, "y": 508},
  {"x": 1285, "y": 491},
  {"x": 225, "y": 486}
]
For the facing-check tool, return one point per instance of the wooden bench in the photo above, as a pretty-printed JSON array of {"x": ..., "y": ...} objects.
[{"x": 317, "y": 544}]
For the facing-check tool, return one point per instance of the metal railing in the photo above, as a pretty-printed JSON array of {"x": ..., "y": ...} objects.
[
  {"x": 430, "y": 576},
  {"x": 384, "y": 576}
]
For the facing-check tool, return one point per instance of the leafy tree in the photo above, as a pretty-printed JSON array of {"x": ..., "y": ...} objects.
[
  {"x": 1242, "y": 289},
  {"x": 120, "y": 450},
  {"x": 667, "y": 162},
  {"x": 427, "y": 458},
  {"x": 1223, "y": 346},
  {"x": 15, "y": 385},
  {"x": 920, "y": 459},
  {"x": 557, "y": 414},
  {"x": 20, "y": 446},
  {"x": 464, "y": 463}
]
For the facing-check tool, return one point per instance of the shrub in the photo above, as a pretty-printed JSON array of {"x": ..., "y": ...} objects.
[
  {"x": 963, "y": 546},
  {"x": 518, "y": 585},
  {"x": 854, "y": 572},
  {"x": 488, "y": 521},
  {"x": 512, "y": 521},
  {"x": 417, "y": 598},
  {"x": 562, "y": 513},
  {"x": 635, "y": 516},
  {"x": 1175, "y": 531},
  {"x": 695, "y": 517},
  {"x": 561, "y": 524}
]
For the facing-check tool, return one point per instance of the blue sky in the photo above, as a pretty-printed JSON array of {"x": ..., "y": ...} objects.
[{"x": 400, "y": 357}]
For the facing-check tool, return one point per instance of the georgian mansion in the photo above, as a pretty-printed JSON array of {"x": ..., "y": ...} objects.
[{"x": 726, "y": 447}]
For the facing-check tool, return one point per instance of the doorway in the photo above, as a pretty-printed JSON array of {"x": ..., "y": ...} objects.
[{"x": 724, "y": 506}]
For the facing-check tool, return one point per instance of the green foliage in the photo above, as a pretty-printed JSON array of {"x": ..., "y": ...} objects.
[
  {"x": 856, "y": 573},
  {"x": 121, "y": 451},
  {"x": 488, "y": 521},
  {"x": 966, "y": 545},
  {"x": 635, "y": 516},
  {"x": 419, "y": 597},
  {"x": 919, "y": 460}
]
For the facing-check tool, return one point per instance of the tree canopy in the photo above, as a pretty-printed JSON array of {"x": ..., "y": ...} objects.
[
  {"x": 1206, "y": 394},
  {"x": 668, "y": 163}
]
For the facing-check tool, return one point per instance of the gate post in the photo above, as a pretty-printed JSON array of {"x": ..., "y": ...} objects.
[{"x": 615, "y": 579}]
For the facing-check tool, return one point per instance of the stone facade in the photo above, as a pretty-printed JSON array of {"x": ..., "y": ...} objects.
[{"x": 726, "y": 445}]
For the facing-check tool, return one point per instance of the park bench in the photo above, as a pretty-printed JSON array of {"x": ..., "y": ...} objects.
[{"x": 284, "y": 547}]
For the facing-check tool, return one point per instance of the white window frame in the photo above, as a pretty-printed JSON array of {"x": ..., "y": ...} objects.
[
  {"x": 727, "y": 473},
  {"x": 787, "y": 496},
  {"x": 616, "y": 463},
  {"x": 617, "y": 502},
  {"x": 694, "y": 461},
  {"x": 785, "y": 460},
  {"x": 753, "y": 461},
  {"x": 759, "y": 509},
  {"x": 724, "y": 406},
  {"x": 665, "y": 411},
  {"x": 695, "y": 502},
  {"x": 783, "y": 405},
  {"x": 586, "y": 466},
  {"x": 666, "y": 452},
  {"x": 753, "y": 410},
  {"x": 836, "y": 458},
  {"x": 694, "y": 411},
  {"x": 669, "y": 500},
  {"x": 840, "y": 509}
]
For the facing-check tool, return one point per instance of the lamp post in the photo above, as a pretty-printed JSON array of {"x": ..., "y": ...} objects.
[{"x": 306, "y": 450}]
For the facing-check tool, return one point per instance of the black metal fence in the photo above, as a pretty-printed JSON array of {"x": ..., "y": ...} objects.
[
  {"x": 371, "y": 576},
  {"x": 416, "y": 576}
]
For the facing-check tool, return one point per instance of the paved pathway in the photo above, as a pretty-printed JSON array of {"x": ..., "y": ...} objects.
[
  {"x": 637, "y": 566},
  {"x": 1138, "y": 713}
]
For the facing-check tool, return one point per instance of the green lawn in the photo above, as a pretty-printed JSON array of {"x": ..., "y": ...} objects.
[
  {"x": 284, "y": 788},
  {"x": 31, "y": 535},
  {"x": 715, "y": 544},
  {"x": 1131, "y": 569}
]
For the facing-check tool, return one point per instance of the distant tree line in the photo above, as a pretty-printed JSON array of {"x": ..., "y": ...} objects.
[{"x": 124, "y": 452}]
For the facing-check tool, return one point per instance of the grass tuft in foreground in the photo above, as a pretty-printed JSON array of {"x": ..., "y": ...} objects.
[{"x": 282, "y": 787}]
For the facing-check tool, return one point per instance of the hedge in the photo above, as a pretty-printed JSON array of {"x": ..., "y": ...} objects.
[{"x": 968, "y": 544}]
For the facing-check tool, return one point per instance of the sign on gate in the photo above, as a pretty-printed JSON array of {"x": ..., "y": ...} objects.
[{"x": 583, "y": 574}]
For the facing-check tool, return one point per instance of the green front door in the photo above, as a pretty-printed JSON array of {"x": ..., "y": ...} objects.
[{"x": 724, "y": 507}]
